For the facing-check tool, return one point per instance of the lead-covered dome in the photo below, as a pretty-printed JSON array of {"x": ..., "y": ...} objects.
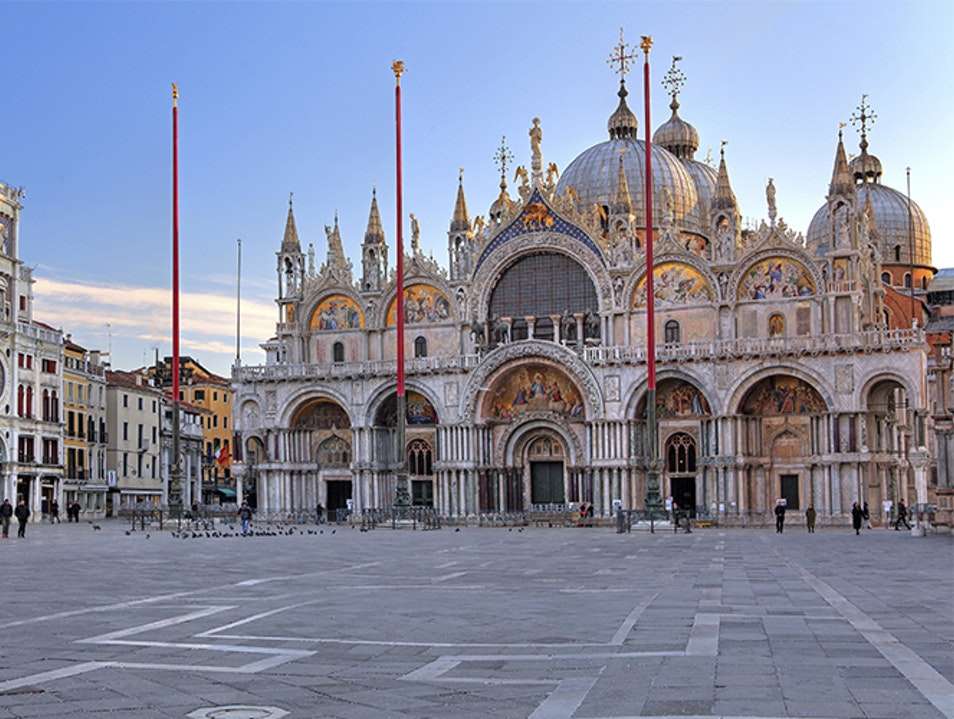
[{"x": 897, "y": 228}]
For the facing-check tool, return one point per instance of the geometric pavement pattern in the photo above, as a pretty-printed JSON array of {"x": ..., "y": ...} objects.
[{"x": 543, "y": 623}]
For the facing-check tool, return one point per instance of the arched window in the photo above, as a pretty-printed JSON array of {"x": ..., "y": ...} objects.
[
  {"x": 419, "y": 458},
  {"x": 672, "y": 333},
  {"x": 29, "y": 401},
  {"x": 20, "y": 401},
  {"x": 54, "y": 407},
  {"x": 907, "y": 280},
  {"x": 334, "y": 452},
  {"x": 46, "y": 406},
  {"x": 897, "y": 253},
  {"x": 681, "y": 454},
  {"x": 886, "y": 278},
  {"x": 420, "y": 347},
  {"x": 338, "y": 352},
  {"x": 924, "y": 282},
  {"x": 776, "y": 325},
  {"x": 540, "y": 286}
]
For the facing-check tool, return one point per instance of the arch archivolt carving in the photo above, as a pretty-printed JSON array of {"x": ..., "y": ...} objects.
[
  {"x": 508, "y": 356},
  {"x": 306, "y": 395},
  {"x": 491, "y": 270},
  {"x": 520, "y": 434},
  {"x": 795, "y": 255},
  {"x": 740, "y": 388},
  {"x": 637, "y": 392},
  {"x": 687, "y": 258},
  {"x": 384, "y": 390},
  {"x": 884, "y": 374}
]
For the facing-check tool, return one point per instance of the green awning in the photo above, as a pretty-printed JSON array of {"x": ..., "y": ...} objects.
[{"x": 225, "y": 492}]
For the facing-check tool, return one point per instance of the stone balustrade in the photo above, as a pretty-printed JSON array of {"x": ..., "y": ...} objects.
[{"x": 738, "y": 348}]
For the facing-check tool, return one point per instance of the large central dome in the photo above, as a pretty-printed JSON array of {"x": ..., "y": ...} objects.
[{"x": 593, "y": 175}]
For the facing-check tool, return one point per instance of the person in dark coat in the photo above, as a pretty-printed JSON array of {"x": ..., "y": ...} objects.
[
  {"x": 866, "y": 515},
  {"x": 22, "y": 514},
  {"x": 6, "y": 512},
  {"x": 245, "y": 514},
  {"x": 810, "y": 518},
  {"x": 902, "y": 516},
  {"x": 54, "y": 512},
  {"x": 779, "y": 517},
  {"x": 856, "y": 516},
  {"x": 76, "y": 511},
  {"x": 319, "y": 513}
]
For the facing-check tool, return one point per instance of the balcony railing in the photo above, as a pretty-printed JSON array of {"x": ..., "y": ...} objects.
[
  {"x": 39, "y": 333},
  {"x": 738, "y": 348}
]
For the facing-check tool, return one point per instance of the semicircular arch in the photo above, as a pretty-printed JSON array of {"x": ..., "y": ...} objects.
[
  {"x": 308, "y": 395},
  {"x": 780, "y": 272},
  {"x": 388, "y": 389},
  {"x": 739, "y": 390},
  {"x": 637, "y": 393},
  {"x": 637, "y": 277}
]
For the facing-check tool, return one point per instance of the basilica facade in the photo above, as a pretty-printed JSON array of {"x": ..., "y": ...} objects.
[{"x": 789, "y": 366}]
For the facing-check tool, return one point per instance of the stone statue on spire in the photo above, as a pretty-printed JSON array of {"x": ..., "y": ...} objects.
[
  {"x": 536, "y": 153},
  {"x": 770, "y": 199},
  {"x": 415, "y": 236}
]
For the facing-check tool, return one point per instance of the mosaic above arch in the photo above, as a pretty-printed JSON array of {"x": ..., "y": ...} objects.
[
  {"x": 422, "y": 303},
  {"x": 533, "y": 388},
  {"x": 336, "y": 312},
  {"x": 783, "y": 395},
  {"x": 775, "y": 278},
  {"x": 419, "y": 411},
  {"x": 677, "y": 399},
  {"x": 675, "y": 283},
  {"x": 321, "y": 414}
]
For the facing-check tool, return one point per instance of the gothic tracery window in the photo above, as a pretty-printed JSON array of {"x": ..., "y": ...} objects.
[
  {"x": 334, "y": 452},
  {"x": 420, "y": 347},
  {"x": 672, "y": 333},
  {"x": 419, "y": 458},
  {"x": 681, "y": 454}
]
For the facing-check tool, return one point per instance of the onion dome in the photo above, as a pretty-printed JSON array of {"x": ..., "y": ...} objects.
[
  {"x": 622, "y": 123},
  {"x": 677, "y": 135},
  {"x": 865, "y": 167}
]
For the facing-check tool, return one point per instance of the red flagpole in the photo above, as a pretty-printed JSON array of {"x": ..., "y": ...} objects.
[
  {"x": 175, "y": 243},
  {"x": 650, "y": 293},
  {"x": 398, "y": 68},
  {"x": 402, "y": 498}
]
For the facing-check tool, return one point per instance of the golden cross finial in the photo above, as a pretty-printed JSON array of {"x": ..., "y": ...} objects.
[
  {"x": 175, "y": 94},
  {"x": 863, "y": 117},
  {"x": 621, "y": 57},
  {"x": 646, "y": 44},
  {"x": 674, "y": 79},
  {"x": 503, "y": 157}
]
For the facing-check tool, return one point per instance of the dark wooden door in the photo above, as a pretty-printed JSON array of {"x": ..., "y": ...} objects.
[
  {"x": 790, "y": 490},
  {"x": 546, "y": 483}
]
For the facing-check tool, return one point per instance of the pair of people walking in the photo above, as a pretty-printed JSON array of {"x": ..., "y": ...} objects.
[{"x": 22, "y": 513}]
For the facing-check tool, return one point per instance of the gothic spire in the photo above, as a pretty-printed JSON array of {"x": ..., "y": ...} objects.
[
  {"x": 461, "y": 220},
  {"x": 375, "y": 231},
  {"x": 623, "y": 203},
  {"x": 290, "y": 240},
  {"x": 724, "y": 196},
  {"x": 841, "y": 182}
]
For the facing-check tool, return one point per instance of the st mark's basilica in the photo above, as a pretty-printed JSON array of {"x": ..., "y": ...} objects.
[{"x": 790, "y": 366}]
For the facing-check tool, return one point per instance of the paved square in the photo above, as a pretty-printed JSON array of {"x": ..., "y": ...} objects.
[{"x": 548, "y": 624}]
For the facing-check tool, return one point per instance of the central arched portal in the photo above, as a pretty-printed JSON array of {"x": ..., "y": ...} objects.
[{"x": 322, "y": 438}]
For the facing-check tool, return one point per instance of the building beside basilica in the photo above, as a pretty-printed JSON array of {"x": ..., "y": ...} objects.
[{"x": 789, "y": 366}]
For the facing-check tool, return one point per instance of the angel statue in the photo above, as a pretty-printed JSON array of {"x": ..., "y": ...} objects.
[
  {"x": 553, "y": 175},
  {"x": 479, "y": 226},
  {"x": 524, "y": 178},
  {"x": 536, "y": 153}
]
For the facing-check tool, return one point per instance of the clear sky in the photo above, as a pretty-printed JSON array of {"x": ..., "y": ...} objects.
[{"x": 298, "y": 97}]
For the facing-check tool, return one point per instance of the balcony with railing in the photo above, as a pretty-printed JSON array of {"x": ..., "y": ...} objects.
[{"x": 706, "y": 351}]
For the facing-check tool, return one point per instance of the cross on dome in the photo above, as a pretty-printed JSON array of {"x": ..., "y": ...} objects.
[
  {"x": 621, "y": 57},
  {"x": 673, "y": 81},
  {"x": 503, "y": 157}
]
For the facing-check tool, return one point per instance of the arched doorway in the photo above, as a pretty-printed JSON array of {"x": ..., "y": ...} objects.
[
  {"x": 681, "y": 471},
  {"x": 683, "y": 415},
  {"x": 775, "y": 438},
  {"x": 888, "y": 428},
  {"x": 419, "y": 453},
  {"x": 254, "y": 456},
  {"x": 546, "y": 458},
  {"x": 323, "y": 429}
]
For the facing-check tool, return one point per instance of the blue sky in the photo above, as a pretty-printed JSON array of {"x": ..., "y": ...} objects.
[{"x": 298, "y": 97}]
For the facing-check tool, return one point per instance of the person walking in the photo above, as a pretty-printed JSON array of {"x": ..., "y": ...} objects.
[
  {"x": 76, "y": 511},
  {"x": 810, "y": 518},
  {"x": 245, "y": 514},
  {"x": 866, "y": 514},
  {"x": 54, "y": 512},
  {"x": 856, "y": 516},
  {"x": 22, "y": 513},
  {"x": 779, "y": 517},
  {"x": 319, "y": 513},
  {"x": 902, "y": 516},
  {"x": 6, "y": 512}
]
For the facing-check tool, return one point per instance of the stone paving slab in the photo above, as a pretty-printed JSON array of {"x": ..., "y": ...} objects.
[{"x": 548, "y": 624}]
